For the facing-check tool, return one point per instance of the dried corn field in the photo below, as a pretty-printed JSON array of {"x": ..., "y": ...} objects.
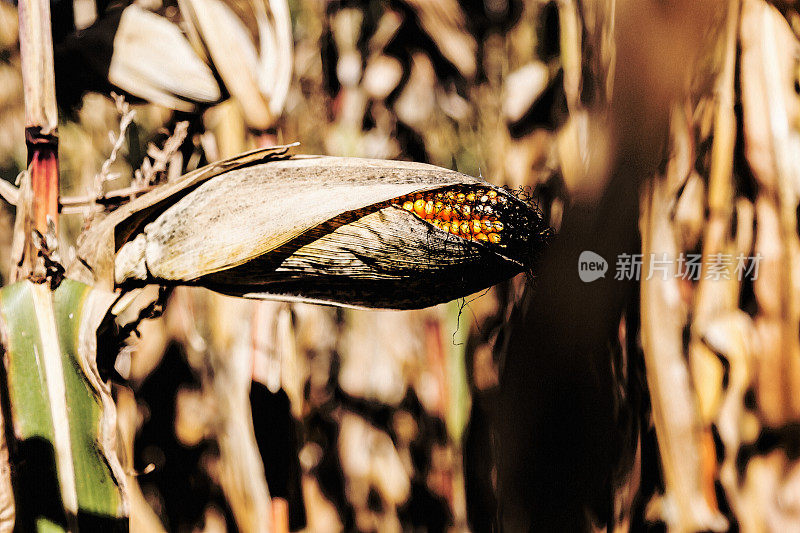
[{"x": 543, "y": 278}]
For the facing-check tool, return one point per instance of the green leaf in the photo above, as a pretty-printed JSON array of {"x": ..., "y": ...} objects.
[{"x": 65, "y": 474}]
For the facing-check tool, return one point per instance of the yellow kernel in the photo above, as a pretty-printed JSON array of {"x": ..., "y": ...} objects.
[
  {"x": 445, "y": 213},
  {"x": 419, "y": 207},
  {"x": 476, "y": 226},
  {"x": 494, "y": 238},
  {"x": 454, "y": 227},
  {"x": 492, "y": 194},
  {"x": 461, "y": 197},
  {"x": 498, "y": 226},
  {"x": 481, "y": 237},
  {"x": 471, "y": 197},
  {"x": 408, "y": 206},
  {"x": 486, "y": 226},
  {"x": 428, "y": 209},
  {"x": 465, "y": 228},
  {"x": 465, "y": 210}
]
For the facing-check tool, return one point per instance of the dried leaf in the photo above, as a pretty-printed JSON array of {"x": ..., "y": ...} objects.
[
  {"x": 154, "y": 61},
  {"x": 257, "y": 77}
]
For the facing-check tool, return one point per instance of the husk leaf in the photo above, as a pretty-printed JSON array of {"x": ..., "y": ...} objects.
[{"x": 309, "y": 227}]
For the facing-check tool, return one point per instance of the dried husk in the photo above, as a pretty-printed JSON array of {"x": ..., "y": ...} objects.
[
  {"x": 154, "y": 61},
  {"x": 316, "y": 229},
  {"x": 99, "y": 243},
  {"x": 308, "y": 227},
  {"x": 387, "y": 258},
  {"x": 256, "y": 72}
]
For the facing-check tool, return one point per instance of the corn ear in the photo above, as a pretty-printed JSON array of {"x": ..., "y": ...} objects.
[
  {"x": 312, "y": 228},
  {"x": 59, "y": 416}
]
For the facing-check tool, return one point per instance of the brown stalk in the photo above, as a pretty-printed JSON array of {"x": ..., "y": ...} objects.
[
  {"x": 675, "y": 411},
  {"x": 41, "y": 135},
  {"x": 716, "y": 297},
  {"x": 769, "y": 104}
]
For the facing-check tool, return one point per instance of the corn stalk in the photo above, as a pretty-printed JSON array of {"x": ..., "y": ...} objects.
[
  {"x": 39, "y": 185},
  {"x": 58, "y": 417}
]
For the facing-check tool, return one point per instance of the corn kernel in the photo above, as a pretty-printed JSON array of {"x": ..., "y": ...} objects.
[
  {"x": 428, "y": 210},
  {"x": 419, "y": 208},
  {"x": 472, "y": 214}
]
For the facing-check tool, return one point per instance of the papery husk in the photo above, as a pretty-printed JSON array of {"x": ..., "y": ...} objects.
[
  {"x": 316, "y": 229},
  {"x": 388, "y": 258},
  {"x": 99, "y": 243},
  {"x": 256, "y": 70},
  {"x": 154, "y": 61}
]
